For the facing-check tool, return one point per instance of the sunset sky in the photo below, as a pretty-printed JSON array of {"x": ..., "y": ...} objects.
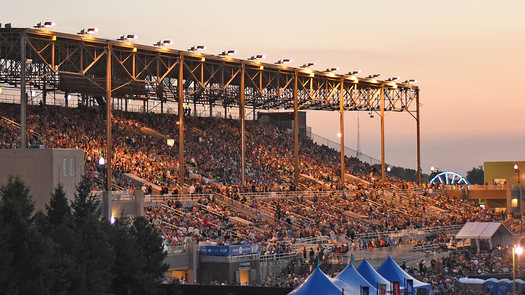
[{"x": 468, "y": 57}]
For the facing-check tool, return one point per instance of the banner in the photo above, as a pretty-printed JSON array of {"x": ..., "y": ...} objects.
[
  {"x": 382, "y": 289},
  {"x": 409, "y": 287},
  {"x": 396, "y": 288},
  {"x": 230, "y": 250},
  {"x": 365, "y": 290}
]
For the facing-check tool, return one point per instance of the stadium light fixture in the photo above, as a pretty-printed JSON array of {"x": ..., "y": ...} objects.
[
  {"x": 353, "y": 73},
  {"x": 127, "y": 38},
  {"x": 44, "y": 25},
  {"x": 257, "y": 57},
  {"x": 392, "y": 79},
  {"x": 163, "y": 43},
  {"x": 228, "y": 52},
  {"x": 197, "y": 48},
  {"x": 88, "y": 31},
  {"x": 307, "y": 65},
  {"x": 373, "y": 76},
  {"x": 283, "y": 61},
  {"x": 331, "y": 70},
  {"x": 410, "y": 81}
]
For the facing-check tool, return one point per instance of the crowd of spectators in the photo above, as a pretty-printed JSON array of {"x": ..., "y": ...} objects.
[{"x": 252, "y": 213}]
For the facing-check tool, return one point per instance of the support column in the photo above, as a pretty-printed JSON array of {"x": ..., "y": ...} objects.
[
  {"x": 418, "y": 120},
  {"x": 23, "y": 96},
  {"x": 242, "y": 117},
  {"x": 295, "y": 133},
  {"x": 342, "y": 131},
  {"x": 109, "y": 144},
  {"x": 383, "y": 133},
  {"x": 180, "y": 89}
]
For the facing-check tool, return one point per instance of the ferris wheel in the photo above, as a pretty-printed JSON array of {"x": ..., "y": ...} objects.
[{"x": 449, "y": 178}]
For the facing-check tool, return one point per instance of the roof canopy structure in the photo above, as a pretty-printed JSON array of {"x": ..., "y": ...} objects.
[{"x": 102, "y": 69}]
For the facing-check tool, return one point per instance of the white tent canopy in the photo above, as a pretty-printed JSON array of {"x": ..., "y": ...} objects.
[{"x": 493, "y": 232}]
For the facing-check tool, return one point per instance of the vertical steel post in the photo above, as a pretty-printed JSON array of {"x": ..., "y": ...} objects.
[
  {"x": 295, "y": 133},
  {"x": 342, "y": 131},
  {"x": 382, "y": 133},
  {"x": 418, "y": 120},
  {"x": 181, "y": 120},
  {"x": 23, "y": 96},
  {"x": 242, "y": 117},
  {"x": 109, "y": 143}
]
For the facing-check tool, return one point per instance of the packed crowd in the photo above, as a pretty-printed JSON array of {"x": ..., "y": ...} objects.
[{"x": 225, "y": 213}]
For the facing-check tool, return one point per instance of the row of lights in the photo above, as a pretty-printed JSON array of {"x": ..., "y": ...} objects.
[{"x": 226, "y": 53}]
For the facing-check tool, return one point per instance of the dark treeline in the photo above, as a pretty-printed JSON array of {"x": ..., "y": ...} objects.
[{"x": 69, "y": 249}]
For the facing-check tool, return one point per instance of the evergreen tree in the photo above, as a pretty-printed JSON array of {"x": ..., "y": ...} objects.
[
  {"x": 58, "y": 210},
  {"x": 85, "y": 204},
  {"x": 24, "y": 252},
  {"x": 139, "y": 266},
  {"x": 93, "y": 253},
  {"x": 58, "y": 227}
]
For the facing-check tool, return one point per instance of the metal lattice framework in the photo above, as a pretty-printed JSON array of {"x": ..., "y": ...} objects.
[{"x": 102, "y": 69}]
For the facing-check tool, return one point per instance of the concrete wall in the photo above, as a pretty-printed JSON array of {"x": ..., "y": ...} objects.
[
  {"x": 504, "y": 170},
  {"x": 42, "y": 170}
]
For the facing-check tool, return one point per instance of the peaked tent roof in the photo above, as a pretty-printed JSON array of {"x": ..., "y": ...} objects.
[
  {"x": 351, "y": 280},
  {"x": 392, "y": 272},
  {"x": 371, "y": 275},
  {"x": 480, "y": 230},
  {"x": 316, "y": 283}
]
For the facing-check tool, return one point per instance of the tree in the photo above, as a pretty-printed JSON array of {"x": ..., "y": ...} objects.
[
  {"x": 24, "y": 251},
  {"x": 58, "y": 210},
  {"x": 93, "y": 254},
  {"x": 476, "y": 175},
  {"x": 85, "y": 204},
  {"x": 139, "y": 266}
]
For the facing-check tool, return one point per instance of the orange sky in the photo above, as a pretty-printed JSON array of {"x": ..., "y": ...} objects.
[{"x": 468, "y": 56}]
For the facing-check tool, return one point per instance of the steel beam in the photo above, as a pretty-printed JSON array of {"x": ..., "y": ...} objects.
[
  {"x": 23, "y": 95},
  {"x": 418, "y": 120},
  {"x": 383, "y": 133},
  {"x": 242, "y": 118},
  {"x": 109, "y": 144},
  {"x": 180, "y": 86},
  {"x": 342, "y": 131},
  {"x": 295, "y": 133}
]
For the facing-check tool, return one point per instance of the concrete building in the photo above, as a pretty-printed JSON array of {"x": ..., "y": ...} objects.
[{"x": 42, "y": 170}]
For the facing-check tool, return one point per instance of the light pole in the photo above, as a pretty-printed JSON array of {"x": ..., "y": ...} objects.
[
  {"x": 516, "y": 250},
  {"x": 517, "y": 170}
]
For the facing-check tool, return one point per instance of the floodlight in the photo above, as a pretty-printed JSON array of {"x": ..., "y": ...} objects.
[
  {"x": 228, "y": 52},
  {"x": 88, "y": 31},
  {"x": 283, "y": 61},
  {"x": 256, "y": 57},
  {"x": 45, "y": 25},
  {"x": 307, "y": 65},
  {"x": 197, "y": 48}
]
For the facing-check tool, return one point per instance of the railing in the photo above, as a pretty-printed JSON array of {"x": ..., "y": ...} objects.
[
  {"x": 277, "y": 257},
  {"x": 348, "y": 151},
  {"x": 408, "y": 232}
]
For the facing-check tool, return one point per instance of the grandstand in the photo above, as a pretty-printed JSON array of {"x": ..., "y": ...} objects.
[{"x": 224, "y": 184}]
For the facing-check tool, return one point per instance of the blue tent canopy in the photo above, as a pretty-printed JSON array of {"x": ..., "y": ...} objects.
[
  {"x": 351, "y": 281},
  {"x": 371, "y": 275},
  {"x": 392, "y": 272},
  {"x": 316, "y": 283}
]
